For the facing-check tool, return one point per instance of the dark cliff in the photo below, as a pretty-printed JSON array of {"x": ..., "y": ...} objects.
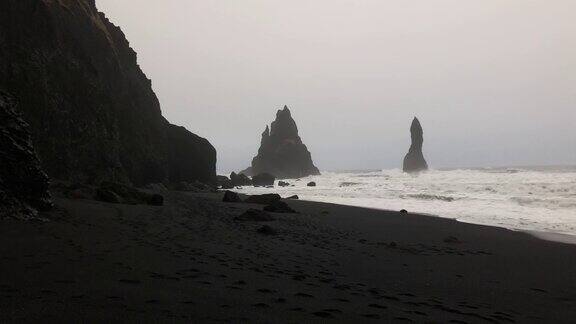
[
  {"x": 92, "y": 112},
  {"x": 414, "y": 161},
  {"x": 23, "y": 184},
  {"x": 281, "y": 151}
]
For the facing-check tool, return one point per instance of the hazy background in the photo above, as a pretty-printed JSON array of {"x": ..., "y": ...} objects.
[{"x": 493, "y": 82}]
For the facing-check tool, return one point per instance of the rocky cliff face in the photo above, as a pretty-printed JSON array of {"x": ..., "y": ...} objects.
[
  {"x": 414, "y": 161},
  {"x": 23, "y": 184},
  {"x": 92, "y": 112},
  {"x": 282, "y": 152}
]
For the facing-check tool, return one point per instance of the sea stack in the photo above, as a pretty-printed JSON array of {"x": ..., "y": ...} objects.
[
  {"x": 414, "y": 161},
  {"x": 282, "y": 152}
]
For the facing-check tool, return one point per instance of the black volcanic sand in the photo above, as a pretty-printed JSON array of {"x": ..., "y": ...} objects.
[{"x": 189, "y": 261}]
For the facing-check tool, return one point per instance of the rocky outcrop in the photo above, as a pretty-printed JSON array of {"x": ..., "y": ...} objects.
[
  {"x": 281, "y": 151},
  {"x": 414, "y": 161},
  {"x": 91, "y": 109},
  {"x": 263, "y": 180},
  {"x": 23, "y": 184},
  {"x": 240, "y": 179}
]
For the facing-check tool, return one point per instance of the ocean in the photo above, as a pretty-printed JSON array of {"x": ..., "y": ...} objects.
[{"x": 531, "y": 199}]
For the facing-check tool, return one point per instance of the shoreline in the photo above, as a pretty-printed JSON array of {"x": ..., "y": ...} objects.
[
  {"x": 543, "y": 235},
  {"x": 191, "y": 261}
]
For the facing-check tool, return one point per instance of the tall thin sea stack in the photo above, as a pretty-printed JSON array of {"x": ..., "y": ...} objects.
[
  {"x": 414, "y": 161},
  {"x": 281, "y": 151}
]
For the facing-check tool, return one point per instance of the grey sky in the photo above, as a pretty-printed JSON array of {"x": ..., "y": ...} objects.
[{"x": 493, "y": 82}]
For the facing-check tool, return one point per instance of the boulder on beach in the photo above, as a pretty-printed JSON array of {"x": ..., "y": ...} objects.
[
  {"x": 263, "y": 180},
  {"x": 283, "y": 183},
  {"x": 414, "y": 161},
  {"x": 118, "y": 193},
  {"x": 254, "y": 215},
  {"x": 279, "y": 207},
  {"x": 230, "y": 196},
  {"x": 265, "y": 199},
  {"x": 311, "y": 184},
  {"x": 281, "y": 151}
]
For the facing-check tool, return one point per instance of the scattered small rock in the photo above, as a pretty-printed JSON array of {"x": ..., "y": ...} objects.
[
  {"x": 230, "y": 196},
  {"x": 255, "y": 215},
  {"x": 311, "y": 184},
  {"x": 283, "y": 183},
  {"x": 267, "y": 230},
  {"x": 452, "y": 240},
  {"x": 265, "y": 199},
  {"x": 403, "y": 211}
]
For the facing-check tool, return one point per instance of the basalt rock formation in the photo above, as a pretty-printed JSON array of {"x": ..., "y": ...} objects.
[
  {"x": 414, "y": 161},
  {"x": 92, "y": 112},
  {"x": 281, "y": 151},
  {"x": 23, "y": 184}
]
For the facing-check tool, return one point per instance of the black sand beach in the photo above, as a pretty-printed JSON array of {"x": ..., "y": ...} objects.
[{"x": 190, "y": 261}]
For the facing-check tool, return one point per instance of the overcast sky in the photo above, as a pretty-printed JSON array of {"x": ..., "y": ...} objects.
[{"x": 493, "y": 82}]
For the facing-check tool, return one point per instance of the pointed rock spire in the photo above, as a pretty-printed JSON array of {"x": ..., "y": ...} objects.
[
  {"x": 414, "y": 161},
  {"x": 281, "y": 151}
]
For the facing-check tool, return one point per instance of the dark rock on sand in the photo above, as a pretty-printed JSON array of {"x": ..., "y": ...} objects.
[
  {"x": 281, "y": 151},
  {"x": 92, "y": 112},
  {"x": 195, "y": 186},
  {"x": 155, "y": 200},
  {"x": 283, "y": 183},
  {"x": 108, "y": 196},
  {"x": 311, "y": 184},
  {"x": 118, "y": 193},
  {"x": 452, "y": 240},
  {"x": 255, "y": 215},
  {"x": 293, "y": 197},
  {"x": 23, "y": 184},
  {"x": 221, "y": 179},
  {"x": 265, "y": 199},
  {"x": 263, "y": 179},
  {"x": 279, "y": 207},
  {"x": 403, "y": 211},
  {"x": 240, "y": 179},
  {"x": 230, "y": 196},
  {"x": 414, "y": 160},
  {"x": 267, "y": 230}
]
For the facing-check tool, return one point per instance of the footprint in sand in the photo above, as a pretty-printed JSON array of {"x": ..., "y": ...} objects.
[
  {"x": 266, "y": 291},
  {"x": 322, "y": 314},
  {"x": 130, "y": 281},
  {"x": 303, "y": 295},
  {"x": 261, "y": 305}
]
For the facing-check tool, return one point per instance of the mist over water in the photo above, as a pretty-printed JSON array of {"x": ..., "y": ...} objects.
[{"x": 540, "y": 199}]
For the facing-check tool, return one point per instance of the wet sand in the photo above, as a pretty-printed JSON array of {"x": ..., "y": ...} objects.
[{"x": 190, "y": 261}]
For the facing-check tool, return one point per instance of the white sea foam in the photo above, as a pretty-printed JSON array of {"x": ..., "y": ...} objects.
[{"x": 537, "y": 199}]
